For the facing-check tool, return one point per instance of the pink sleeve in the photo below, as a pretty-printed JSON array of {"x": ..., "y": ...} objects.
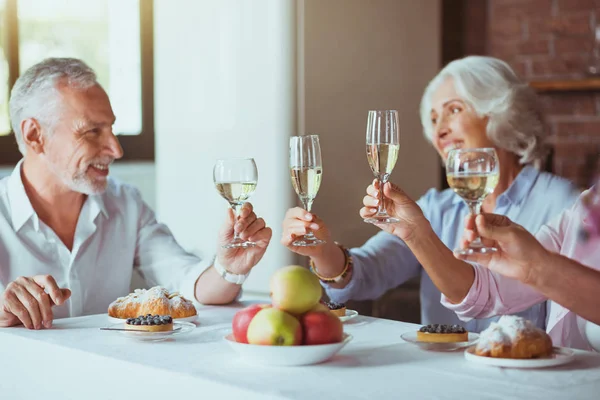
[{"x": 493, "y": 294}]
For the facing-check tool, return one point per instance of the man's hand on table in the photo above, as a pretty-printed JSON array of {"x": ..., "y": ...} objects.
[{"x": 29, "y": 301}]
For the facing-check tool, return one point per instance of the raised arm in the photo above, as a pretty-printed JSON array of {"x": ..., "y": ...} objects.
[
  {"x": 163, "y": 261},
  {"x": 537, "y": 264},
  {"x": 452, "y": 277}
]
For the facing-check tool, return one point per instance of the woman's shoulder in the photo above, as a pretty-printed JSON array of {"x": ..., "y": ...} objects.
[
  {"x": 438, "y": 198},
  {"x": 556, "y": 188}
]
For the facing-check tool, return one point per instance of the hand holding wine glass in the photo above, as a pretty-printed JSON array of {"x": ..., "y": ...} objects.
[
  {"x": 236, "y": 180},
  {"x": 473, "y": 174},
  {"x": 306, "y": 172},
  {"x": 382, "y": 153}
]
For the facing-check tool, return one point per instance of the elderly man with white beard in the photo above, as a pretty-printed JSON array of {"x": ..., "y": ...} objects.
[{"x": 71, "y": 236}]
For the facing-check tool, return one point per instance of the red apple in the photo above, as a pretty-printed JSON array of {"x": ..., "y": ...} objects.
[
  {"x": 242, "y": 319},
  {"x": 295, "y": 289},
  {"x": 274, "y": 327},
  {"x": 321, "y": 326}
]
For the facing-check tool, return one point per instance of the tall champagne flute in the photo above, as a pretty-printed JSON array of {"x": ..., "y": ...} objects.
[
  {"x": 236, "y": 180},
  {"x": 306, "y": 171},
  {"x": 382, "y": 152},
  {"x": 473, "y": 175}
]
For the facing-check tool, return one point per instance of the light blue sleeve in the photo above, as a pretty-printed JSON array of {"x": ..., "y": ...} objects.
[{"x": 382, "y": 263}]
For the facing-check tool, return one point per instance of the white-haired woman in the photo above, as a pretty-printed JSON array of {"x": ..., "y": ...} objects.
[{"x": 473, "y": 102}]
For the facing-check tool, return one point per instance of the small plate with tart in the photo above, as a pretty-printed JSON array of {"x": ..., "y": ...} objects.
[
  {"x": 341, "y": 311},
  {"x": 152, "y": 327},
  {"x": 439, "y": 337}
]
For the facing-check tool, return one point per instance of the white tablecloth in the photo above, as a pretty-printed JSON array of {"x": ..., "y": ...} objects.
[{"x": 75, "y": 360}]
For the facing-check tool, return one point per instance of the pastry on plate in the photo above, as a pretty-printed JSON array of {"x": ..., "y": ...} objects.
[
  {"x": 150, "y": 323},
  {"x": 439, "y": 333},
  {"x": 513, "y": 337},
  {"x": 154, "y": 301},
  {"x": 338, "y": 309}
]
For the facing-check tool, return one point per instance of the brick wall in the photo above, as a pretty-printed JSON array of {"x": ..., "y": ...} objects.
[{"x": 552, "y": 39}]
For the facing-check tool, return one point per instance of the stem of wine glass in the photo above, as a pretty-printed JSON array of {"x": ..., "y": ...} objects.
[
  {"x": 236, "y": 211},
  {"x": 475, "y": 209},
  {"x": 307, "y": 204},
  {"x": 381, "y": 206}
]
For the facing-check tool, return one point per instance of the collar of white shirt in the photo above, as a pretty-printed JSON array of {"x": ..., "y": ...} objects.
[{"x": 21, "y": 210}]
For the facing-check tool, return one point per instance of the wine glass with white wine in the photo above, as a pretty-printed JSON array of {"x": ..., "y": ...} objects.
[
  {"x": 382, "y": 152},
  {"x": 236, "y": 180},
  {"x": 473, "y": 175},
  {"x": 306, "y": 171}
]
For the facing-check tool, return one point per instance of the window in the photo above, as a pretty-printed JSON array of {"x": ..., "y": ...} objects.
[{"x": 114, "y": 37}]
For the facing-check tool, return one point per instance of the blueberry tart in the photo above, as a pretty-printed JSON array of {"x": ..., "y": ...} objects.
[
  {"x": 439, "y": 333},
  {"x": 150, "y": 323}
]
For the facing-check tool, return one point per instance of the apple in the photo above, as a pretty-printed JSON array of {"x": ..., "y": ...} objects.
[
  {"x": 242, "y": 319},
  {"x": 274, "y": 327},
  {"x": 321, "y": 326},
  {"x": 295, "y": 289}
]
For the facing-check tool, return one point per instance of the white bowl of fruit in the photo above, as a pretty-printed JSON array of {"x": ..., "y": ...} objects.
[{"x": 294, "y": 330}]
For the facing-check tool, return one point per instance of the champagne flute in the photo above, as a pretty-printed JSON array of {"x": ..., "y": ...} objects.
[
  {"x": 306, "y": 171},
  {"x": 473, "y": 175},
  {"x": 382, "y": 153},
  {"x": 236, "y": 180}
]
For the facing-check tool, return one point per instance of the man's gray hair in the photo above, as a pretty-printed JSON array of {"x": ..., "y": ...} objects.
[
  {"x": 35, "y": 93},
  {"x": 493, "y": 90}
]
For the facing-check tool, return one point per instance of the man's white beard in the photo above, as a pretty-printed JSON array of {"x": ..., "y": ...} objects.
[{"x": 80, "y": 182}]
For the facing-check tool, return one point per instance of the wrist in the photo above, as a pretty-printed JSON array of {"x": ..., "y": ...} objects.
[
  {"x": 231, "y": 277},
  {"x": 419, "y": 231},
  {"x": 330, "y": 262},
  {"x": 538, "y": 268}
]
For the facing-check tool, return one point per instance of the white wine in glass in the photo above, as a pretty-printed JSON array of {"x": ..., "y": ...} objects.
[
  {"x": 473, "y": 174},
  {"x": 306, "y": 172},
  {"x": 236, "y": 180},
  {"x": 382, "y": 153}
]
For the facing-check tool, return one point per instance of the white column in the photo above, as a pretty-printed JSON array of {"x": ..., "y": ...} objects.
[{"x": 225, "y": 86}]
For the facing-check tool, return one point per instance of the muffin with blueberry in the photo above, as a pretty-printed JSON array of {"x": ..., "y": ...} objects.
[
  {"x": 439, "y": 333},
  {"x": 150, "y": 323}
]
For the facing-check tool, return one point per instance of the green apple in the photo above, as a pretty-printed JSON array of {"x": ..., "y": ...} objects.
[
  {"x": 295, "y": 289},
  {"x": 274, "y": 327}
]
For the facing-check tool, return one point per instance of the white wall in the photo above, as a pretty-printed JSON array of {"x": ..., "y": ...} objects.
[
  {"x": 357, "y": 56},
  {"x": 224, "y": 87}
]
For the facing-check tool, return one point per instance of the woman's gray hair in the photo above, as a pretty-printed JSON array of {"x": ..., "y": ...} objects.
[
  {"x": 35, "y": 94},
  {"x": 493, "y": 90}
]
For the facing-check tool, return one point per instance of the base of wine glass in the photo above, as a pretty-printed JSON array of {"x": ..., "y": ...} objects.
[
  {"x": 308, "y": 241},
  {"x": 236, "y": 244},
  {"x": 381, "y": 219},
  {"x": 476, "y": 250}
]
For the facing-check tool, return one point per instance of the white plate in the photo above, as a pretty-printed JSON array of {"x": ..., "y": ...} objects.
[
  {"x": 179, "y": 328},
  {"x": 193, "y": 318},
  {"x": 349, "y": 315},
  {"x": 411, "y": 337},
  {"x": 559, "y": 356},
  {"x": 286, "y": 355}
]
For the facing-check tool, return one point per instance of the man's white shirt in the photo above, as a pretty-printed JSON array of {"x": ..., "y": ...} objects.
[{"x": 116, "y": 232}]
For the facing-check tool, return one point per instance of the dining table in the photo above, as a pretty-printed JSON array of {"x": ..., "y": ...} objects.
[{"x": 75, "y": 359}]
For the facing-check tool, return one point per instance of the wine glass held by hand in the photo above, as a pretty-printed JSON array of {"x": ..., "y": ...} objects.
[
  {"x": 382, "y": 153},
  {"x": 236, "y": 180},
  {"x": 306, "y": 172},
  {"x": 473, "y": 175}
]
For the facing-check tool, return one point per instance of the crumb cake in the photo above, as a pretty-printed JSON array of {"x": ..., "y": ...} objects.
[
  {"x": 154, "y": 301},
  {"x": 513, "y": 337}
]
